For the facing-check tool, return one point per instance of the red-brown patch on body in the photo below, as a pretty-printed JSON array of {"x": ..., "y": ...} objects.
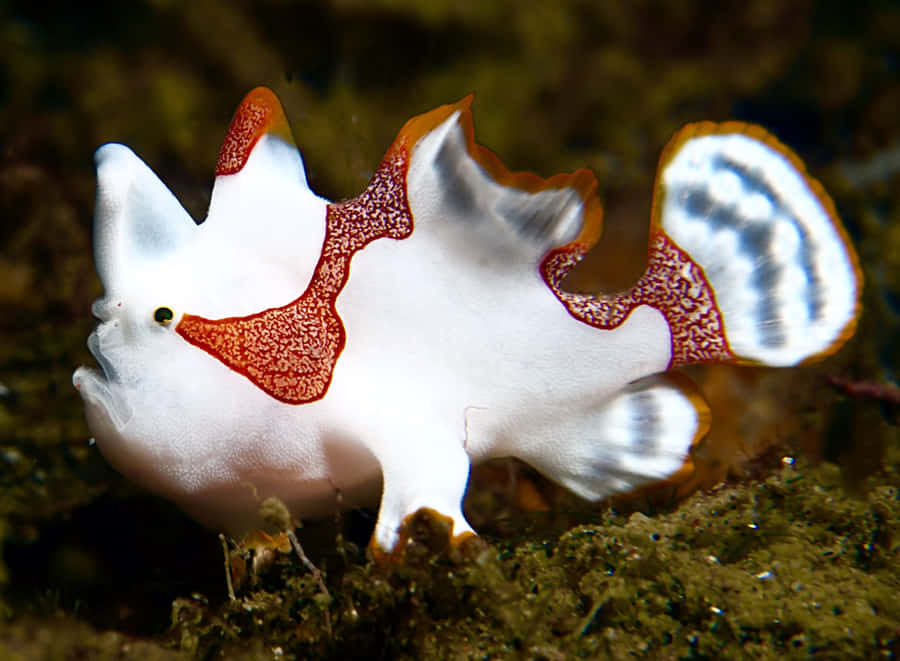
[
  {"x": 290, "y": 352},
  {"x": 672, "y": 284},
  {"x": 259, "y": 113}
]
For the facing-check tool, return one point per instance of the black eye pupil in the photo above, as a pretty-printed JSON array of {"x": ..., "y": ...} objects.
[{"x": 163, "y": 315}]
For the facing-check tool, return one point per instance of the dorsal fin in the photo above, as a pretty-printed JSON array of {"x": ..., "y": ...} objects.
[
  {"x": 259, "y": 114},
  {"x": 461, "y": 182},
  {"x": 259, "y": 171},
  {"x": 290, "y": 351}
]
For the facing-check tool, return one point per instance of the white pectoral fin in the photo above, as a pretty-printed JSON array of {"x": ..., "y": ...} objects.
[
  {"x": 137, "y": 219},
  {"x": 425, "y": 470},
  {"x": 642, "y": 434},
  {"x": 783, "y": 272}
]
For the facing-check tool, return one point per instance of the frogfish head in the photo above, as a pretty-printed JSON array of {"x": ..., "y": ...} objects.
[
  {"x": 153, "y": 396},
  {"x": 143, "y": 239}
]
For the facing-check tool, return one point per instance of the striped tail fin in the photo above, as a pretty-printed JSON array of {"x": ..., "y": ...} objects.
[
  {"x": 783, "y": 274},
  {"x": 748, "y": 260}
]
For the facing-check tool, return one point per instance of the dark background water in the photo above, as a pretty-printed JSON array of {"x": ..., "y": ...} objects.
[{"x": 559, "y": 86}]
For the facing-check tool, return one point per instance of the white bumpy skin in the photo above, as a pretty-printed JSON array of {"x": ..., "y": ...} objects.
[{"x": 449, "y": 340}]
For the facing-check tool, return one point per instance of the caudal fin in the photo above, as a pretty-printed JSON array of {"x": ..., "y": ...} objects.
[{"x": 767, "y": 272}]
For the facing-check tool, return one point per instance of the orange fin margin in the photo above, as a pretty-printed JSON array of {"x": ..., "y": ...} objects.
[
  {"x": 582, "y": 180},
  {"x": 259, "y": 113},
  {"x": 703, "y": 128}
]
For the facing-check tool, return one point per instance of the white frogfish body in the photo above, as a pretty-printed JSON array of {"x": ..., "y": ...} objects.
[{"x": 293, "y": 347}]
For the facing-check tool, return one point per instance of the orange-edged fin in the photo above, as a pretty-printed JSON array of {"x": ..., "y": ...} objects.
[
  {"x": 769, "y": 245},
  {"x": 641, "y": 435},
  {"x": 472, "y": 182},
  {"x": 260, "y": 113},
  {"x": 260, "y": 188},
  {"x": 685, "y": 480}
]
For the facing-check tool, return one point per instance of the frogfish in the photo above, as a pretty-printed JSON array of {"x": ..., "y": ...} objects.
[{"x": 291, "y": 347}]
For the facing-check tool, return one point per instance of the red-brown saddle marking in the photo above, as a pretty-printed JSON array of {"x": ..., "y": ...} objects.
[
  {"x": 259, "y": 113},
  {"x": 672, "y": 283},
  {"x": 290, "y": 352}
]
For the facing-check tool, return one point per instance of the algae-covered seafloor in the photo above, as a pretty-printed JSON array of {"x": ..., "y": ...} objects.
[
  {"x": 787, "y": 567},
  {"x": 769, "y": 559}
]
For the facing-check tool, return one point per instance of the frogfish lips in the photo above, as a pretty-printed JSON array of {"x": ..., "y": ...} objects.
[{"x": 101, "y": 389}]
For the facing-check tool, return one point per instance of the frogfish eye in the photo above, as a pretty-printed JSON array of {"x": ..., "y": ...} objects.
[{"x": 163, "y": 316}]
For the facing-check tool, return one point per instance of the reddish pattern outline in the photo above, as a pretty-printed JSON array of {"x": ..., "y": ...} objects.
[
  {"x": 259, "y": 113},
  {"x": 673, "y": 284},
  {"x": 247, "y": 127},
  {"x": 290, "y": 352}
]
